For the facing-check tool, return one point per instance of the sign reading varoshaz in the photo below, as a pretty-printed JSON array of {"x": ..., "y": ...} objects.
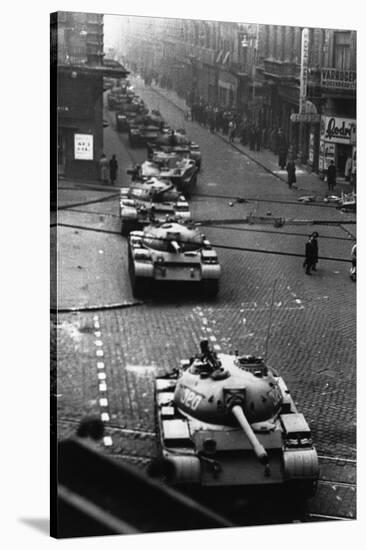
[{"x": 336, "y": 78}]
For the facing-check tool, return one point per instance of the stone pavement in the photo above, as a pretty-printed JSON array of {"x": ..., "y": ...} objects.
[{"x": 308, "y": 182}]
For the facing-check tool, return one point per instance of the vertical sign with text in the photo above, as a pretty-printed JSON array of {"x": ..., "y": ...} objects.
[{"x": 304, "y": 69}]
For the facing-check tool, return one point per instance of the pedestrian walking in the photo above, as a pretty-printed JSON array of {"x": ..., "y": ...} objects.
[
  {"x": 331, "y": 175},
  {"x": 311, "y": 253},
  {"x": 282, "y": 149},
  {"x": 232, "y": 128},
  {"x": 103, "y": 166},
  {"x": 291, "y": 172},
  {"x": 258, "y": 138},
  {"x": 113, "y": 169}
]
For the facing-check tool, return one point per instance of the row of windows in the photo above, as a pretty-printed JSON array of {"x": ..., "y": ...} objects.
[{"x": 277, "y": 42}]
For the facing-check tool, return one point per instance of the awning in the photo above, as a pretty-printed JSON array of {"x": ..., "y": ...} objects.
[{"x": 93, "y": 70}]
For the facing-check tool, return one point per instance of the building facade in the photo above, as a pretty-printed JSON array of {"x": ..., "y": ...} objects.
[
  {"x": 300, "y": 80},
  {"x": 77, "y": 73}
]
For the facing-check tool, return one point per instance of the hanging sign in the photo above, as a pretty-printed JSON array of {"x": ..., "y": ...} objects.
[
  {"x": 304, "y": 69},
  {"x": 83, "y": 146}
]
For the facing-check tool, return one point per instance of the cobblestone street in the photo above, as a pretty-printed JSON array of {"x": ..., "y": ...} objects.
[{"x": 111, "y": 346}]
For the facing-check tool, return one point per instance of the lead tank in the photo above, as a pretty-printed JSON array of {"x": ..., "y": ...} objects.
[{"x": 229, "y": 420}]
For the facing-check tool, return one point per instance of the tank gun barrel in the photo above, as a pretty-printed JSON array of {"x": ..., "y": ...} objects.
[
  {"x": 159, "y": 192},
  {"x": 175, "y": 246},
  {"x": 258, "y": 448}
]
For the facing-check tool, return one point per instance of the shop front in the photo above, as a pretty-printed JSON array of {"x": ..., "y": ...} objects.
[
  {"x": 337, "y": 142},
  {"x": 227, "y": 89}
]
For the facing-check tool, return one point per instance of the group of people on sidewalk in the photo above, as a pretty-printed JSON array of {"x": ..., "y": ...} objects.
[{"x": 108, "y": 169}]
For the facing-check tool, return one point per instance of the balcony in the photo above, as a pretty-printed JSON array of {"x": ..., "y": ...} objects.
[{"x": 281, "y": 69}]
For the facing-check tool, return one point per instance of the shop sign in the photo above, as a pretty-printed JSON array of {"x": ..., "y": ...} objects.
[
  {"x": 304, "y": 68},
  {"x": 83, "y": 146},
  {"x": 305, "y": 117},
  {"x": 338, "y": 79},
  {"x": 336, "y": 129}
]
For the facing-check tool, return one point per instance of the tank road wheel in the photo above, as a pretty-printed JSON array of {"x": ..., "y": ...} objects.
[
  {"x": 126, "y": 227},
  {"x": 194, "y": 180},
  {"x": 301, "y": 490},
  {"x": 140, "y": 285},
  {"x": 210, "y": 287}
]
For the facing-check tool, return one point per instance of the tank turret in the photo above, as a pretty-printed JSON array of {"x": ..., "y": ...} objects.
[{"x": 229, "y": 420}]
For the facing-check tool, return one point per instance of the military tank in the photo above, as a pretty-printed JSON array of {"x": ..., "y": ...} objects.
[
  {"x": 178, "y": 167},
  {"x": 175, "y": 142},
  {"x": 175, "y": 253},
  {"x": 145, "y": 128},
  {"x": 228, "y": 420},
  {"x": 153, "y": 200}
]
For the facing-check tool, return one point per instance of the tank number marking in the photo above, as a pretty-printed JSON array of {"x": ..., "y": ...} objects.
[{"x": 191, "y": 399}]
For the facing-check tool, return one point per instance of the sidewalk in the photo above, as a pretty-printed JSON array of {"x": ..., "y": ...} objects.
[{"x": 308, "y": 183}]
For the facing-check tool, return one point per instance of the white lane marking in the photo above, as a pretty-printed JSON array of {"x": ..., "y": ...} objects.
[
  {"x": 101, "y": 251},
  {"x": 140, "y": 368},
  {"x": 103, "y": 402},
  {"x": 97, "y": 333},
  {"x": 96, "y": 324},
  {"x": 100, "y": 353},
  {"x": 100, "y": 365},
  {"x": 108, "y": 441},
  {"x": 95, "y": 318},
  {"x": 105, "y": 417},
  {"x": 213, "y": 338},
  {"x": 98, "y": 343},
  {"x": 101, "y": 375},
  {"x": 103, "y": 387}
]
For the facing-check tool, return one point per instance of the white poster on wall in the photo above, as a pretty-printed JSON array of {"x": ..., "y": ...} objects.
[{"x": 83, "y": 146}]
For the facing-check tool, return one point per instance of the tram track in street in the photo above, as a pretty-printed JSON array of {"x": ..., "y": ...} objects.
[{"x": 216, "y": 245}]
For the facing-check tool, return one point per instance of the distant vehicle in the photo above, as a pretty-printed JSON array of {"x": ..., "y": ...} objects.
[
  {"x": 230, "y": 421},
  {"x": 172, "y": 252},
  {"x": 117, "y": 97},
  {"x": 178, "y": 167},
  {"x": 150, "y": 201},
  {"x": 128, "y": 113},
  {"x": 176, "y": 142},
  {"x": 145, "y": 128},
  {"x": 109, "y": 83}
]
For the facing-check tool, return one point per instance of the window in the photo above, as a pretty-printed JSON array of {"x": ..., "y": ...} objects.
[{"x": 342, "y": 50}]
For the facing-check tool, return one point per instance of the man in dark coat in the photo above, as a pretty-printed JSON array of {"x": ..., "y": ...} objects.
[
  {"x": 331, "y": 175},
  {"x": 252, "y": 137},
  {"x": 311, "y": 253},
  {"x": 113, "y": 168},
  {"x": 291, "y": 172},
  {"x": 282, "y": 149}
]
